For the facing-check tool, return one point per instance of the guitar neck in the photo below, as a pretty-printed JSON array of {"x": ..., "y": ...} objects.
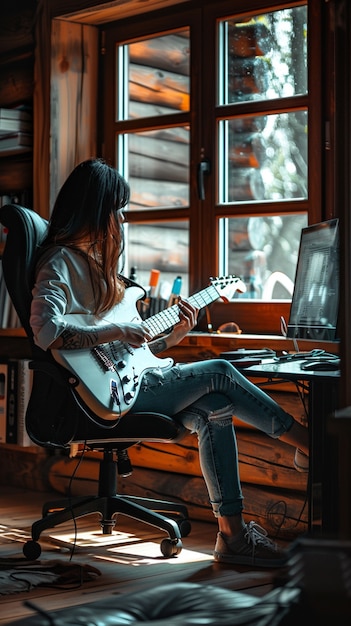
[{"x": 167, "y": 318}]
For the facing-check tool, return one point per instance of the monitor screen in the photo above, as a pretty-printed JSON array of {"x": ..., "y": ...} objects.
[{"x": 315, "y": 301}]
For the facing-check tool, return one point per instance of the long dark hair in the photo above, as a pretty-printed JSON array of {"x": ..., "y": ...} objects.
[{"x": 89, "y": 207}]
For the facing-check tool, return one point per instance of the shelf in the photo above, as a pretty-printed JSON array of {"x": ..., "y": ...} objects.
[
  {"x": 16, "y": 173},
  {"x": 15, "y": 151},
  {"x": 12, "y": 332},
  {"x": 14, "y": 344}
]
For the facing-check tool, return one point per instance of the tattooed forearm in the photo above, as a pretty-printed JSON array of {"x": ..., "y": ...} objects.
[
  {"x": 158, "y": 345},
  {"x": 73, "y": 338}
]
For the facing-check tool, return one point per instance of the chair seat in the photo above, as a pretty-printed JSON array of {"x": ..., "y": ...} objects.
[{"x": 133, "y": 427}]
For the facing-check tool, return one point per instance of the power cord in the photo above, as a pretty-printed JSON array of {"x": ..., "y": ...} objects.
[
  {"x": 70, "y": 503},
  {"x": 40, "y": 611}
]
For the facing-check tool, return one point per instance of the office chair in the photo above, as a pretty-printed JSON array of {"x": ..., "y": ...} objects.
[{"x": 57, "y": 417}]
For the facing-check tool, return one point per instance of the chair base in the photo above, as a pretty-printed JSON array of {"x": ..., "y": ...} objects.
[
  {"x": 168, "y": 516},
  {"x": 144, "y": 510},
  {"x": 109, "y": 507}
]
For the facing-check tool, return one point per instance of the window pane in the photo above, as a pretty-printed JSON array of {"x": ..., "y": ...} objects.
[
  {"x": 156, "y": 164},
  {"x": 263, "y": 252},
  {"x": 161, "y": 246},
  {"x": 154, "y": 76},
  {"x": 263, "y": 157},
  {"x": 264, "y": 57}
]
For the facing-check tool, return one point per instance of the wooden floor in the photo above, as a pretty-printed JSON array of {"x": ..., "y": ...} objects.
[{"x": 133, "y": 563}]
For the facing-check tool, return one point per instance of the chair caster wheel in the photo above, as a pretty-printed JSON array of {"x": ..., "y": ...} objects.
[
  {"x": 171, "y": 547},
  {"x": 184, "y": 527},
  {"x": 32, "y": 550}
]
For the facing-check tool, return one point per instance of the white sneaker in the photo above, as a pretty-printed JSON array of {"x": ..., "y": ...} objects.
[{"x": 252, "y": 548}]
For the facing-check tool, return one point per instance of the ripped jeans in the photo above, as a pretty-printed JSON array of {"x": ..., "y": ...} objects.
[{"x": 204, "y": 396}]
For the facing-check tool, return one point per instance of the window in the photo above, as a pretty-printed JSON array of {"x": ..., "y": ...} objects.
[
  {"x": 211, "y": 117},
  {"x": 151, "y": 146}
]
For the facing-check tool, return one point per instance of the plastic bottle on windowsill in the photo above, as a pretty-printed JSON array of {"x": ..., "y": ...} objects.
[{"x": 176, "y": 289}]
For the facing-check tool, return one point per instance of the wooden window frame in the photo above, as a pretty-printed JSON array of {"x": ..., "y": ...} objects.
[
  {"x": 253, "y": 317},
  {"x": 258, "y": 317}
]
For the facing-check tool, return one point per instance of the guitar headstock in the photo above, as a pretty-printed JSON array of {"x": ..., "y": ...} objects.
[{"x": 227, "y": 286}]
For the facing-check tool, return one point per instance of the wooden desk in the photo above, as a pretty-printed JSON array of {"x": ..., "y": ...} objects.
[
  {"x": 322, "y": 489},
  {"x": 196, "y": 345}
]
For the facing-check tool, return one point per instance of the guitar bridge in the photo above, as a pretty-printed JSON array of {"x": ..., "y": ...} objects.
[{"x": 103, "y": 359}]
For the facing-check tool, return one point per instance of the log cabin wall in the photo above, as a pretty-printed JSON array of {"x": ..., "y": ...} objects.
[
  {"x": 74, "y": 85},
  {"x": 273, "y": 491}
]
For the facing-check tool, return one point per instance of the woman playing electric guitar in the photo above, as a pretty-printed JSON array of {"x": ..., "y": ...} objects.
[{"x": 77, "y": 279}]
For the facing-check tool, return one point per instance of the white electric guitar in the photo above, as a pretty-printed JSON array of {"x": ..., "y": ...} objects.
[{"x": 109, "y": 375}]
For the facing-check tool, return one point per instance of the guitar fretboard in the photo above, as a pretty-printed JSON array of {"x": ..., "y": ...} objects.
[{"x": 169, "y": 317}]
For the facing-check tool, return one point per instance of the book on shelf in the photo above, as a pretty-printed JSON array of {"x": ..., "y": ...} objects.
[
  {"x": 2, "y": 233},
  {"x": 15, "y": 142},
  {"x": 3, "y": 291},
  {"x": 15, "y": 120},
  {"x": 3, "y": 401},
  {"x": 15, "y": 113},
  {"x": 21, "y": 198},
  {"x": 8, "y": 314},
  {"x": 24, "y": 388},
  {"x": 14, "y": 126},
  {"x": 19, "y": 387},
  {"x": 11, "y": 413}
]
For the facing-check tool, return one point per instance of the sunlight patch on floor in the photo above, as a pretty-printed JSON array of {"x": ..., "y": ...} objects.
[
  {"x": 117, "y": 547},
  {"x": 8, "y": 534},
  {"x": 149, "y": 552},
  {"x": 124, "y": 547},
  {"x": 92, "y": 539}
]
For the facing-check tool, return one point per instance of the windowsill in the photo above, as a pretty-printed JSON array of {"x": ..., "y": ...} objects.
[{"x": 232, "y": 341}]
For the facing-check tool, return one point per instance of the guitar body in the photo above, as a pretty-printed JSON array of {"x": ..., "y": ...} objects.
[{"x": 109, "y": 376}]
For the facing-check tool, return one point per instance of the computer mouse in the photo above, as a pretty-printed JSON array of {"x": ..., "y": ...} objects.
[{"x": 320, "y": 366}]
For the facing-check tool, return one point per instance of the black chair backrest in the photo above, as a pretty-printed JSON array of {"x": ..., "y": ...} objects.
[{"x": 26, "y": 229}]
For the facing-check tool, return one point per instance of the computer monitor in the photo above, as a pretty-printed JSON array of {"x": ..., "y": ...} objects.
[{"x": 315, "y": 301}]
